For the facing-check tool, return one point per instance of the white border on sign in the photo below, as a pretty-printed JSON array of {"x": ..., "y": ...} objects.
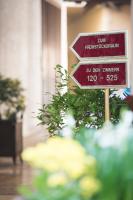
[
  {"x": 100, "y": 33},
  {"x": 102, "y": 86}
]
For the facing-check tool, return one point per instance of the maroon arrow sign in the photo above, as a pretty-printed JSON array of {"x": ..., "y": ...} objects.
[
  {"x": 100, "y": 74},
  {"x": 100, "y": 45}
]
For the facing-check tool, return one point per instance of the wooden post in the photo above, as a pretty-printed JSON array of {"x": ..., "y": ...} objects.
[{"x": 107, "y": 111}]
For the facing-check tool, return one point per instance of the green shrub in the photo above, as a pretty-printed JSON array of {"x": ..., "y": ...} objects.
[{"x": 87, "y": 106}]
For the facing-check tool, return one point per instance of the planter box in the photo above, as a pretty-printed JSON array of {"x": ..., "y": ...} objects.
[{"x": 11, "y": 139}]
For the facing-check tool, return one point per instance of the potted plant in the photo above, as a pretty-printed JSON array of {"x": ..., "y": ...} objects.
[{"x": 11, "y": 113}]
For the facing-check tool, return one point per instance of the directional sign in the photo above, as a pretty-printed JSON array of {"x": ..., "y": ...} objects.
[
  {"x": 100, "y": 45},
  {"x": 110, "y": 74}
]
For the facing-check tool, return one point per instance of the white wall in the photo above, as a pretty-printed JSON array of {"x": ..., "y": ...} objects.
[
  {"x": 51, "y": 43},
  {"x": 20, "y": 51}
]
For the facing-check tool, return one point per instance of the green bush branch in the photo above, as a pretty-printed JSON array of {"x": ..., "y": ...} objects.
[{"x": 87, "y": 106}]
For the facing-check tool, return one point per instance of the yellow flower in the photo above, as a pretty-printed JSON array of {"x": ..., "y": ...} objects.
[
  {"x": 65, "y": 161},
  {"x": 91, "y": 165},
  {"x": 89, "y": 186},
  {"x": 29, "y": 155},
  {"x": 58, "y": 179},
  {"x": 59, "y": 154}
]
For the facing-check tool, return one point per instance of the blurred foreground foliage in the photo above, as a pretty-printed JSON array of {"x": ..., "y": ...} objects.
[
  {"x": 89, "y": 165},
  {"x": 64, "y": 171},
  {"x": 112, "y": 147}
]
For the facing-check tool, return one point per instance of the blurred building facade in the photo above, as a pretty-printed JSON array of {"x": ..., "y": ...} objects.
[{"x": 35, "y": 36}]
